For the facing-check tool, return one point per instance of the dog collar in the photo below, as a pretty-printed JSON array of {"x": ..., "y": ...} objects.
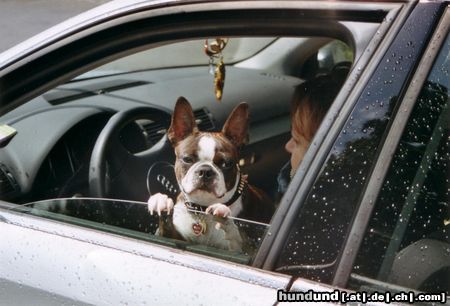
[
  {"x": 239, "y": 191},
  {"x": 195, "y": 206}
]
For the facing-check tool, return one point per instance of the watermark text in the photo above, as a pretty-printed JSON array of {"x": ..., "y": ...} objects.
[{"x": 339, "y": 296}]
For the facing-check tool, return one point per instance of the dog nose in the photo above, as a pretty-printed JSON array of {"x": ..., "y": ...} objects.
[{"x": 205, "y": 173}]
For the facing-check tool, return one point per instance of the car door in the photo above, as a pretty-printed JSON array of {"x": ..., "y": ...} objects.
[{"x": 166, "y": 274}]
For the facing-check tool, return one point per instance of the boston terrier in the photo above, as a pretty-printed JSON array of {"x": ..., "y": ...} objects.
[{"x": 211, "y": 183}]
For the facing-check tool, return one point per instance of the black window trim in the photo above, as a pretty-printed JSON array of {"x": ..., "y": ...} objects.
[{"x": 375, "y": 183}]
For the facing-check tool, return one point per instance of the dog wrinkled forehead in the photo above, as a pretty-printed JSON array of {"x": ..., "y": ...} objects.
[{"x": 206, "y": 146}]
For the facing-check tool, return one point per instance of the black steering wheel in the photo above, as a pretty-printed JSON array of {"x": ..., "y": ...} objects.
[{"x": 116, "y": 172}]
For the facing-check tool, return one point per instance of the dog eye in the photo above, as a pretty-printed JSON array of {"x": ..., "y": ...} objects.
[
  {"x": 227, "y": 164},
  {"x": 187, "y": 159}
]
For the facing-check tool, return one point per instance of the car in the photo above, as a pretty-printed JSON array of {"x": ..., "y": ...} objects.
[{"x": 84, "y": 112}]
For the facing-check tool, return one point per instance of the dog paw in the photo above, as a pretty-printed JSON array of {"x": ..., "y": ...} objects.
[
  {"x": 159, "y": 202},
  {"x": 219, "y": 210}
]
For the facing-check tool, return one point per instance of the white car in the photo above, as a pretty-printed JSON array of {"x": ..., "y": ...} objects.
[{"x": 84, "y": 110}]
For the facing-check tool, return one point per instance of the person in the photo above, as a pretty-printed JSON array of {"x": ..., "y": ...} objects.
[{"x": 310, "y": 103}]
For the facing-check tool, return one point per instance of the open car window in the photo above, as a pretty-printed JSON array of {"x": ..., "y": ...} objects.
[
  {"x": 262, "y": 68},
  {"x": 59, "y": 184}
]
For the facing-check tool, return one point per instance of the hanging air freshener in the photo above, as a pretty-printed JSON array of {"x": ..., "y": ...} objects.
[{"x": 214, "y": 51}]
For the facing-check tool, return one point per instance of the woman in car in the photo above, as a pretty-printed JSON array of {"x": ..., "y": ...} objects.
[{"x": 310, "y": 103}]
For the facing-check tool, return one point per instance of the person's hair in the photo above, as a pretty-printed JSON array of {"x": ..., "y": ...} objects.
[{"x": 311, "y": 101}]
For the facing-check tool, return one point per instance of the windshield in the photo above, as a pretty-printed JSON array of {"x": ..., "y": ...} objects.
[{"x": 183, "y": 54}]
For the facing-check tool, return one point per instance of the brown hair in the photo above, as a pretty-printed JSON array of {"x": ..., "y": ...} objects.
[{"x": 312, "y": 100}]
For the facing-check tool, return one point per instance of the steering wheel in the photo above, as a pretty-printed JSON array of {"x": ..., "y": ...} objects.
[{"x": 116, "y": 172}]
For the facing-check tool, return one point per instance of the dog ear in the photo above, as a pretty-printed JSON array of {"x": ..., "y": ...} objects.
[
  {"x": 183, "y": 122},
  {"x": 236, "y": 126}
]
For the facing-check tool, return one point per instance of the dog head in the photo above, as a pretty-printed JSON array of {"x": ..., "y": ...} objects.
[{"x": 206, "y": 164}]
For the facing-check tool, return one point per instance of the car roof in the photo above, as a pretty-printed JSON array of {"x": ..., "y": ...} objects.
[{"x": 101, "y": 14}]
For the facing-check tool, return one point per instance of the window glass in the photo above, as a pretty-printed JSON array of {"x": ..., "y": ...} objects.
[
  {"x": 325, "y": 213},
  {"x": 182, "y": 54},
  {"x": 407, "y": 242},
  {"x": 131, "y": 219}
]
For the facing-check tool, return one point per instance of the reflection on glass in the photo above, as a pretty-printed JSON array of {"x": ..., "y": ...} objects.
[
  {"x": 407, "y": 242},
  {"x": 327, "y": 211},
  {"x": 131, "y": 219}
]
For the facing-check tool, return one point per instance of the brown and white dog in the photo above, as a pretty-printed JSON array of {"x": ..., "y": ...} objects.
[{"x": 210, "y": 181}]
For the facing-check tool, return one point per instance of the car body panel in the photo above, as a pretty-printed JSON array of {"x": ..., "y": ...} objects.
[{"x": 104, "y": 268}]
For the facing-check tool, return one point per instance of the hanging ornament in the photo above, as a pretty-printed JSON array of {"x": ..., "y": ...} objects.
[{"x": 216, "y": 65}]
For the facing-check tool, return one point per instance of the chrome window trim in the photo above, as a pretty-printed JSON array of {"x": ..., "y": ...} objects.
[{"x": 383, "y": 163}]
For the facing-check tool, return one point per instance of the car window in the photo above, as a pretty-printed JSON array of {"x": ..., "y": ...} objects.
[
  {"x": 407, "y": 241},
  {"x": 60, "y": 183},
  {"x": 328, "y": 199}
]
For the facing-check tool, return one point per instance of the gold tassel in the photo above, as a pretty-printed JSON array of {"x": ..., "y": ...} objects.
[{"x": 219, "y": 79}]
